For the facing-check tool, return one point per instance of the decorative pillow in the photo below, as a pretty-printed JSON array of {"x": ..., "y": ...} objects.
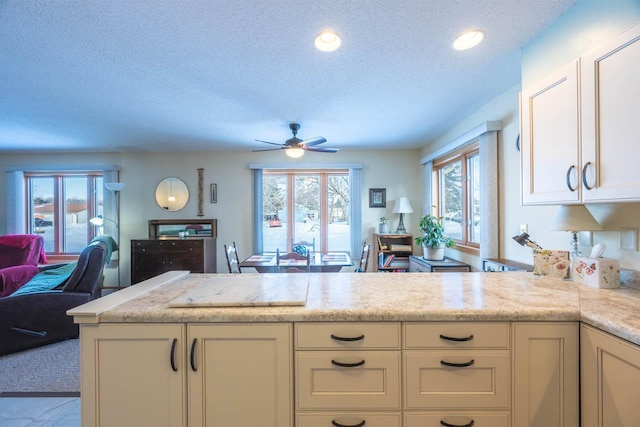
[
  {"x": 300, "y": 249},
  {"x": 13, "y": 278},
  {"x": 46, "y": 280}
]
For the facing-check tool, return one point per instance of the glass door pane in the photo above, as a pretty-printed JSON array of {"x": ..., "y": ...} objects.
[
  {"x": 339, "y": 212},
  {"x": 76, "y": 211},
  {"x": 43, "y": 210},
  {"x": 307, "y": 213},
  {"x": 274, "y": 208}
]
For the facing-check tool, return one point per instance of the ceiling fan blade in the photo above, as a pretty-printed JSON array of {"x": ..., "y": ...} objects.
[
  {"x": 322, "y": 150},
  {"x": 314, "y": 141},
  {"x": 267, "y": 142},
  {"x": 270, "y": 149}
]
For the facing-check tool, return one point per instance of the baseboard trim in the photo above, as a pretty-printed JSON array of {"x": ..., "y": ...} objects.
[{"x": 39, "y": 394}]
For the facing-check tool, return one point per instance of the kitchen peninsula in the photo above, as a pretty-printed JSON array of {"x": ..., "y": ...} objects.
[{"x": 408, "y": 350}]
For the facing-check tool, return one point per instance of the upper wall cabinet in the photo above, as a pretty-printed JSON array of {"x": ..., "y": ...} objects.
[
  {"x": 579, "y": 129},
  {"x": 611, "y": 119},
  {"x": 549, "y": 139}
]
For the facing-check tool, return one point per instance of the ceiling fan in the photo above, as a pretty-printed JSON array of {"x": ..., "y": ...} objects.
[{"x": 295, "y": 147}]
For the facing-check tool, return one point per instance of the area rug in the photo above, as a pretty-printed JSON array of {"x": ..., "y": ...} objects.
[{"x": 51, "y": 370}]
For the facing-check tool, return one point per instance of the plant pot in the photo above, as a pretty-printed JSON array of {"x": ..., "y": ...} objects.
[
  {"x": 383, "y": 228},
  {"x": 433, "y": 254}
]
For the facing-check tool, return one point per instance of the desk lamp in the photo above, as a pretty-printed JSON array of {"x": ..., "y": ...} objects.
[
  {"x": 523, "y": 240},
  {"x": 402, "y": 207},
  {"x": 575, "y": 218}
]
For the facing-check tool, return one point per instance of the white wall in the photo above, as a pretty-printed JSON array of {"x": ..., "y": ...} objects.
[
  {"x": 398, "y": 171},
  {"x": 580, "y": 29}
]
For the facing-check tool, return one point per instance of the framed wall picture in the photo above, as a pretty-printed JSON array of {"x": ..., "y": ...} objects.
[
  {"x": 214, "y": 193},
  {"x": 377, "y": 197}
]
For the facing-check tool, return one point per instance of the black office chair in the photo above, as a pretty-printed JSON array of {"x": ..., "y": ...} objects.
[{"x": 233, "y": 261}]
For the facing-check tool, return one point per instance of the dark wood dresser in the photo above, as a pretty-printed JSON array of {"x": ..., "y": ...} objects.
[{"x": 150, "y": 257}]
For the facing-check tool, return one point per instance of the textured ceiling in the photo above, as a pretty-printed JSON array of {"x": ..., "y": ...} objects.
[{"x": 137, "y": 75}]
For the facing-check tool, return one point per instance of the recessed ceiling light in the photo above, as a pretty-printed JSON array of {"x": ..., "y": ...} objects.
[
  {"x": 328, "y": 41},
  {"x": 468, "y": 40}
]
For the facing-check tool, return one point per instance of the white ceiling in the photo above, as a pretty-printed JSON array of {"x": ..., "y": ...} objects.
[{"x": 161, "y": 75}]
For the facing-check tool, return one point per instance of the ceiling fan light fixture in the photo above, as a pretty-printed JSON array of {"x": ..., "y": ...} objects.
[
  {"x": 468, "y": 40},
  {"x": 328, "y": 41},
  {"x": 294, "y": 152}
]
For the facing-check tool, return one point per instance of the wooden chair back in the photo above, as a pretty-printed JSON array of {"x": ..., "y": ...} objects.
[
  {"x": 364, "y": 258},
  {"x": 298, "y": 268}
]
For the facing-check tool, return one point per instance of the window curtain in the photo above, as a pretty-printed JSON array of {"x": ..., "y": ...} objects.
[{"x": 355, "y": 176}]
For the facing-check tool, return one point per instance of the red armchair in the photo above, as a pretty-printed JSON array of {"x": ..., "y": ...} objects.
[{"x": 20, "y": 255}]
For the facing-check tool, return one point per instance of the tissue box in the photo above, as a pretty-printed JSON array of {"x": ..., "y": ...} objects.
[
  {"x": 552, "y": 263},
  {"x": 597, "y": 272}
]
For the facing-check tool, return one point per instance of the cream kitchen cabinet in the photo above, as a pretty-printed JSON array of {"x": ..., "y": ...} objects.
[
  {"x": 227, "y": 375},
  {"x": 549, "y": 142},
  {"x": 545, "y": 374},
  {"x": 457, "y": 373},
  {"x": 610, "y": 126},
  {"x": 348, "y": 374},
  {"x": 610, "y": 374}
]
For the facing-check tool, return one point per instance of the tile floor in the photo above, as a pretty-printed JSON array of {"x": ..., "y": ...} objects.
[{"x": 40, "y": 411}]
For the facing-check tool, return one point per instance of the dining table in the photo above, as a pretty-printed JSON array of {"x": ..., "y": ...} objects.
[{"x": 324, "y": 262}]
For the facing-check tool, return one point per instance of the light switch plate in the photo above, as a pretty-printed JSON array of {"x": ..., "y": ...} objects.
[
  {"x": 629, "y": 239},
  {"x": 586, "y": 238}
]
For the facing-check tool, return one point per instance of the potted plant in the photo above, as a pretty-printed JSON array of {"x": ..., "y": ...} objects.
[
  {"x": 383, "y": 227},
  {"x": 433, "y": 240}
]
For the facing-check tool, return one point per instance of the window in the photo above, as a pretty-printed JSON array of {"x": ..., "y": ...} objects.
[
  {"x": 306, "y": 205},
  {"x": 59, "y": 207},
  {"x": 456, "y": 179}
]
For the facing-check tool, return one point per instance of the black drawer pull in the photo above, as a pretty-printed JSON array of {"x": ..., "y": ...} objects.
[
  {"x": 444, "y": 337},
  {"x": 348, "y": 365},
  {"x": 193, "y": 355},
  {"x": 337, "y": 338},
  {"x": 173, "y": 355},
  {"x": 457, "y": 365},
  {"x": 584, "y": 176},
  {"x": 569, "y": 178},
  {"x": 446, "y": 424},
  {"x": 337, "y": 424}
]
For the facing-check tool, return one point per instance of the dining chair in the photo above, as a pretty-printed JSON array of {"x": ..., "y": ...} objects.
[
  {"x": 364, "y": 258},
  {"x": 233, "y": 261},
  {"x": 293, "y": 268},
  {"x": 310, "y": 246}
]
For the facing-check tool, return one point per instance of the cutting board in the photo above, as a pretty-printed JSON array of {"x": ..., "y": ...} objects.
[{"x": 249, "y": 290}]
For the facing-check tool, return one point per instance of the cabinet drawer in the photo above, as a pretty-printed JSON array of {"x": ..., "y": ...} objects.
[
  {"x": 456, "y": 335},
  {"x": 484, "y": 383},
  {"x": 433, "y": 419},
  {"x": 167, "y": 245},
  {"x": 348, "y": 419},
  {"x": 348, "y": 335},
  {"x": 374, "y": 384}
]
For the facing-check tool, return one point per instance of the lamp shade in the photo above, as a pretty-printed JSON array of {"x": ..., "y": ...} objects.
[
  {"x": 575, "y": 218},
  {"x": 402, "y": 206}
]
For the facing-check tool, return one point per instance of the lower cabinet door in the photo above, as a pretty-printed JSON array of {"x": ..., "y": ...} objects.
[
  {"x": 240, "y": 375},
  {"x": 610, "y": 380},
  {"x": 457, "y": 379},
  {"x": 348, "y": 380},
  {"x": 349, "y": 419},
  {"x": 133, "y": 375},
  {"x": 457, "y": 419}
]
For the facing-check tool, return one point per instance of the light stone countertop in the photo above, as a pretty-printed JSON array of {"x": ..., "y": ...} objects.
[{"x": 509, "y": 296}]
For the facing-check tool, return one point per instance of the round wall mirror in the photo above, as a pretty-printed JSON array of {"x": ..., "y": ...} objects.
[{"x": 172, "y": 194}]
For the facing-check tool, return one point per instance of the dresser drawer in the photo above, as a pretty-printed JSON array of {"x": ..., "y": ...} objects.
[
  {"x": 167, "y": 245},
  {"x": 373, "y": 384},
  {"x": 347, "y": 336},
  {"x": 456, "y": 335},
  {"x": 479, "y": 419},
  {"x": 337, "y": 418},
  {"x": 479, "y": 379}
]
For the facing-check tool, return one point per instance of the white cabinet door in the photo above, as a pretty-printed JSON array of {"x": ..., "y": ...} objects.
[
  {"x": 133, "y": 375},
  {"x": 549, "y": 139},
  {"x": 610, "y": 121},
  {"x": 240, "y": 375},
  {"x": 545, "y": 369},
  {"x": 610, "y": 378}
]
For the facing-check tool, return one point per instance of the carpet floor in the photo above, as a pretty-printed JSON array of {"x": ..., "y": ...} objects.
[{"x": 54, "y": 368}]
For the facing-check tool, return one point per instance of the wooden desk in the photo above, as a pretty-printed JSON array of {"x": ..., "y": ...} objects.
[{"x": 320, "y": 262}]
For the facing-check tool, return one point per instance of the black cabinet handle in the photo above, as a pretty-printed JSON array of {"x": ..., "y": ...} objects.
[
  {"x": 193, "y": 355},
  {"x": 569, "y": 178},
  {"x": 337, "y": 338},
  {"x": 173, "y": 355},
  {"x": 457, "y": 365},
  {"x": 348, "y": 365},
  {"x": 337, "y": 424},
  {"x": 446, "y": 424},
  {"x": 584, "y": 176},
  {"x": 444, "y": 337}
]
